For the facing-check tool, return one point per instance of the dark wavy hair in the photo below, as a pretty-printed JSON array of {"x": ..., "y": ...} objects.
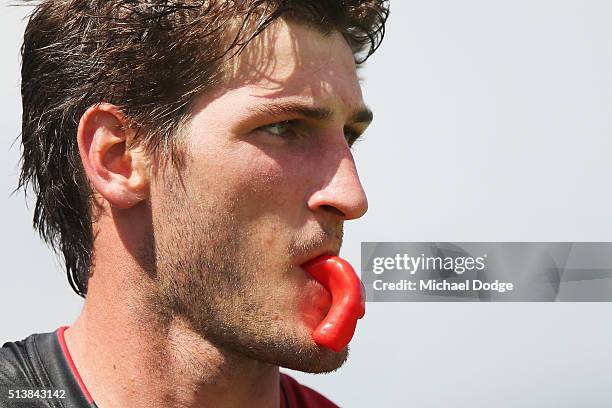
[{"x": 151, "y": 58}]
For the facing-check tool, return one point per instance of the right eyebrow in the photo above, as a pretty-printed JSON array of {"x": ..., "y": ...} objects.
[
  {"x": 288, "y": 108},
  {"x": 363, "y": 115}
]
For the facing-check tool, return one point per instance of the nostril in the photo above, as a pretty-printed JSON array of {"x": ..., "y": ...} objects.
[{"x": 333, "y": 209}]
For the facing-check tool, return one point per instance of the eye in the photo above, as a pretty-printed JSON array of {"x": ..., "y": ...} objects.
[{"x": 282, "y": 129}]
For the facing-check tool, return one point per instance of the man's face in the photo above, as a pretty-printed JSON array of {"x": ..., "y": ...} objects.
[{"x": 265, "y": 188}]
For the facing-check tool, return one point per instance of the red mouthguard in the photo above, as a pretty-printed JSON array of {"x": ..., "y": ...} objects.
[{"x": 348, "y": 300}]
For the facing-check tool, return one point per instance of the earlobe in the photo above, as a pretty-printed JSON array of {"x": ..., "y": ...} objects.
[{"x": 116, "y": 168}]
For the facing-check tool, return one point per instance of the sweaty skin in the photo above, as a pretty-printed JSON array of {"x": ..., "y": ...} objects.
[{"x": 348, "y": 302}]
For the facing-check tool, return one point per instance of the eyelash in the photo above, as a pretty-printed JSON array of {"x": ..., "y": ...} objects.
[
  {"x": 353, "y": 138},
  {"x": 351, "y": 135}
]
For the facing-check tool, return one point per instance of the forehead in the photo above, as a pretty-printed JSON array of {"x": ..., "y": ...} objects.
[{"x": 294, "y": 62}]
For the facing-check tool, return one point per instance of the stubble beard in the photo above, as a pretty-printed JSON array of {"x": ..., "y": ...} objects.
[{"x": 205, "y": 274}]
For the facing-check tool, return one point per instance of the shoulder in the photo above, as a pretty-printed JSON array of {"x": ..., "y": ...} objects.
[
  {"x": 18, "y": 371},
  {"x": 15, "y": 364},
  {"x": 300, "y": 396}
]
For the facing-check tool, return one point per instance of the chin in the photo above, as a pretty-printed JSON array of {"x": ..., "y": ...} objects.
[
  {"x": 310, "y": 357},
  {"x": 326, "y": 361},
  {"x": 297, "y": 352}
]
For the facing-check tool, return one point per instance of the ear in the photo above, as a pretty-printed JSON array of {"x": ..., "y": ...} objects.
[{"x": 116, "y": 168}]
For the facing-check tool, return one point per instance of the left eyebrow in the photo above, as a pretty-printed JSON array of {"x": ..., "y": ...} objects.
[{"x": 363, "y": 115}]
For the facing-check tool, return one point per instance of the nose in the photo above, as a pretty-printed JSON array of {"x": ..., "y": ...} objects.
[{"x": 342, "y": 192}]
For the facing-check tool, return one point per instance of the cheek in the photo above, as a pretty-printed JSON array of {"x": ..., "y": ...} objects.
[{"x": 269, "y": 186}]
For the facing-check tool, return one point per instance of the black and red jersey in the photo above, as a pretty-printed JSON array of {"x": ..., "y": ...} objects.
[{"x": 38, "y": 372}]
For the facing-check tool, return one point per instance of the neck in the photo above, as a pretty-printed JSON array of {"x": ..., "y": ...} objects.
[{"x": 128, "y": 356}]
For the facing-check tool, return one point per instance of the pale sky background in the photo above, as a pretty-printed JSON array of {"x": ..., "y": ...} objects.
[{"x": 493, "y": 122}]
